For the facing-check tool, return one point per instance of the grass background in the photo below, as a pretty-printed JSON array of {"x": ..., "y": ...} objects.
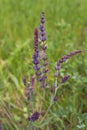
[{"x": 66, "y": 27}]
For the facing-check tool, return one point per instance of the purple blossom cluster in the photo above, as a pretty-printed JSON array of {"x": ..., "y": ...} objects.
[
  {"x": 29, "y": 87},
  {"x": 65, "y": 58},
  {"x": 62, "y": 60},
  {"x": 35, "y": 57},
  {"x": 55, "y": 98},
  {"x": 42, "y": 30},
  {"x": 40, "y": 62},
  {"x": 65, "y": 78},
  {"x": 34, "y": 116},
  {"x": 58, "y": 67}
]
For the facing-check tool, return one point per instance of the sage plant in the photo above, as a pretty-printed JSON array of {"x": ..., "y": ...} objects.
[{"x": 40, "y": 66}]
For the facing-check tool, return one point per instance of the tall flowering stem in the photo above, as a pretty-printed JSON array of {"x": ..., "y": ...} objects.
[{"x": 43, "y": 53}]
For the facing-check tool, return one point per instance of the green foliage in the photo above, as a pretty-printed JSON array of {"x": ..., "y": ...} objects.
[{"x": 66, "y": 25}]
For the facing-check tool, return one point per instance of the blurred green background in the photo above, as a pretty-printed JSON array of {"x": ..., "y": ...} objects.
[{"x": 66, "y": 27}]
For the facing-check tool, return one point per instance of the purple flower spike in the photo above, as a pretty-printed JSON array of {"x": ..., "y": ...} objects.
[
  {"x": 43, "y": 55},
  {"x": 42, "y": 20},
  {"x": 35, "y": 56},
  {"x": 34, "y": 116},
  {"x": 64, "y": 58},
  {"x": 65, "y": 78},
  {"x": 42, "y": 30}
]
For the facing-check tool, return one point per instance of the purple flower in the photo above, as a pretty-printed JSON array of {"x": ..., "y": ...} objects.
[
  {"x": 36, "y": 38},
  {"x": 38, "y": 73},
  {"x": 42, "y": 79},
  {"x": 55, "y": 98},
  {"x": 64, "y": 58},
  {"x": 34, "y": 116},
  {"x": 58, "y": 67},
  {"x": 42, "y": 20},
  {"x": 45, "y": 70},
  {"x": 65, "y": 78},
  {"x": 36, "y": 61},
  {"x": 45, "y": 63},
  {"x": 37, "y": 67},
  {"x": 30, "y": 87},
  {"x": 42, "y": 30},
  {"x": 42, "y": 33},
  {"x": 43, "y": 38},
  {"x": 36, "y": 50}
]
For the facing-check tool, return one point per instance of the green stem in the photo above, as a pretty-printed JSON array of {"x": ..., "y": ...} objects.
[{"x": 51, "y": 103}]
